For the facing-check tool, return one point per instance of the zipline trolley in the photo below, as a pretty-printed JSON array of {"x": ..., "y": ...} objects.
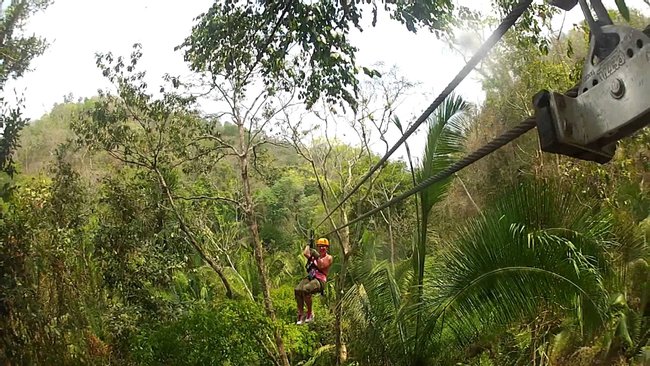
[{"x": 612, "y": 101}]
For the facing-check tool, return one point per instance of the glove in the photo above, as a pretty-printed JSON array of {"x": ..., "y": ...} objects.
[{"x": 314, "y": 253}]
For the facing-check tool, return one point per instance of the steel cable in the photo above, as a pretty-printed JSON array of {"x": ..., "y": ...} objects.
[
  {"x": 507, "y": 22},
  {"x": 468, "y": 160}
]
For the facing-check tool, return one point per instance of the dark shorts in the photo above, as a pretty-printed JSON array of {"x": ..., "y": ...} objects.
[{"x": 307, "y": 286}]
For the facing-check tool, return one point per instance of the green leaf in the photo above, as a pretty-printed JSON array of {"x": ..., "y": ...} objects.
[
  {"x": 622, "y": 8},
  {"x": 491, "y": 275}
]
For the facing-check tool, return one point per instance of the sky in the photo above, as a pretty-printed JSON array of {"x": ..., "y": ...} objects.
[{"x": 77, "y": 29}]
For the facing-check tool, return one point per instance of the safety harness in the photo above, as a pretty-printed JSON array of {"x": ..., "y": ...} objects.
[{"x": 311, "y": 267}]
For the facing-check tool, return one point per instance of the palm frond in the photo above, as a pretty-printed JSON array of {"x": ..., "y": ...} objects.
[
  {"x": 538, "y": 247},
  {"x": 320, "y": 352},
  {"x": 373, "y": 303},
  {"x": 445, "y": 139}
]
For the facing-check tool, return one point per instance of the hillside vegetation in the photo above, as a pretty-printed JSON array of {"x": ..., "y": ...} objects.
[{"x": 136, "y": 229}]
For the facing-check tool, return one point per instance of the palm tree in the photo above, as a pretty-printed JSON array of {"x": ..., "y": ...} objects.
[
  {"x": 373, "y": 304},
  {"x": 539, "y": 248},
  {"x": 445, "y": 140},
  {"x": 541, "y": 251},
  {"x": 377, "y": 297}
]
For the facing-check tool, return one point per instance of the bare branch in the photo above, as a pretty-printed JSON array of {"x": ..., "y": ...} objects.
[
  {"x": 125, "y": 160},
  {"x": 281, "y": 109},
  {"x": 208, "y": 198},
  {"x": 265, "y": 142},
  {"x": 219, "y": 115},
  {"x": 222, "y": 142},
  {"x": 142, "y": 124},
  {"x": 266, "y": 96},
  {"x": 225, "y": 96},
  {"x": 479, "y": 68},
  {"x": 468, "y": 195},
  {"x": 198, "y": 156}
]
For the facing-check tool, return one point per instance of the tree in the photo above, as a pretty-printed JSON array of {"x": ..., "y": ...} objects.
[
  {"x": 253, "y": 92},
  {"x": 43, "y": 136},
  {"x": 51, "y": 281},
  {"x": 520, "y": 257},
  {"x": 156, "y": 135},
  {"x": 389, "y": 297},
  {"x": 336, "y": 167},
  {"x": 279, "y": 38},
  {"x": 16, "y": 53},
  {"x": 232, "y": 332},
  {"x": 445, "y": 139},
  {"x": 180, "y": 209},
  {"x": 374, "y": 302},
  {"x": 510, "y": 78},
  {"x": 16, "y": 50}
]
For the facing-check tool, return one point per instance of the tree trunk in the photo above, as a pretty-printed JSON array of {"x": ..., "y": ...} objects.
[
  {"x": 341, "y": 350},
  {"x": 258, "y": 250},
  {"x": 344, "y": 235},
  {"x": 344, "y": 242},
  {"x": 478, "y": 209},
  {"x": 391, "y": 238},
  {"x": 419, "y": 253}
]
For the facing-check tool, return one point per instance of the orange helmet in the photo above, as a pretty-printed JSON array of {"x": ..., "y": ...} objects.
[{"x": 323, "y": 242}]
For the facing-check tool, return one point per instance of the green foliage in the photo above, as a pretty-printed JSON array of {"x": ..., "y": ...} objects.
[
  {"x": 302, "y": 341},
  {"x": 515, "y": 73},
  {"x": 519, "y": 270},
  {"x": 282, "y": 206},
  {"x": 136, "y": 128},
  {"x": 445, "y": 140},
  {"x": 622, "y": 8},
  {"x": 17, "y": 50},
  {"x": 132, "y": 231},
  {"x": 11, "y": 123},
  {"x": 227, "y": 333},
  {"x": 16, "y": 54},
  {"x": 41, "y": 137},
  {"x": 373, "y": 305},
  {"x": 296, "y": 44},
  {"x": 520, "y": 257},
  {"x": 51, "y": 283},
  {"x": 120, "y": 251}
]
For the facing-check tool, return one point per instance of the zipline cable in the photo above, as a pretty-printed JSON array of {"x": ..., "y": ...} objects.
[
  {"x": 507, "y": 22},
  {"x": 470, "y": 159}
]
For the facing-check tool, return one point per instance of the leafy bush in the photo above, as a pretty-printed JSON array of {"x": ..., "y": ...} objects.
[
  {"x": 303, "y": 340},
  {"x": 229, "y": 333}
]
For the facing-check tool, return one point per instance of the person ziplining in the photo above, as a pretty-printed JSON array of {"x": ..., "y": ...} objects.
[{"x": 318, "y": 265}]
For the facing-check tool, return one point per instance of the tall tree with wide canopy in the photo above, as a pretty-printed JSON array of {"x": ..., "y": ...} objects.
[{"x": 307, "y": 44}]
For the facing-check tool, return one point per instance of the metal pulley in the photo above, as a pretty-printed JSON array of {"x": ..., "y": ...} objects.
[{"x": 612, "y": 100}]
